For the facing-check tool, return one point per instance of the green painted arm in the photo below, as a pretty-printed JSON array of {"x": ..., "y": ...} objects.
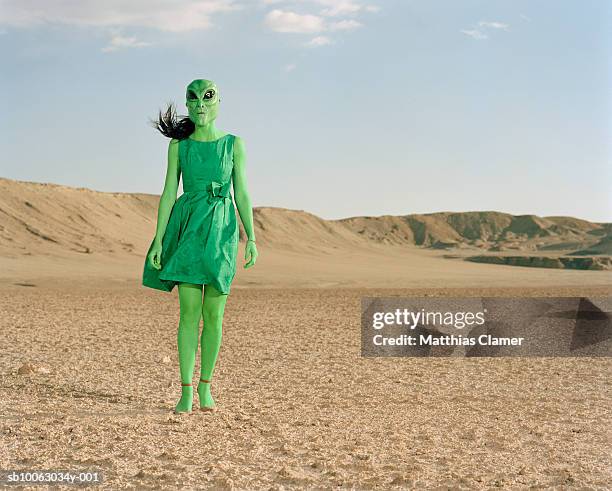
[
  {"x": 166, "y": 202},
  {"x": 243, "y": 201}
]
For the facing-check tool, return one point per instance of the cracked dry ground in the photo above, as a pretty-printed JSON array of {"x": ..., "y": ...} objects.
[{"x": 297, "y": 405}]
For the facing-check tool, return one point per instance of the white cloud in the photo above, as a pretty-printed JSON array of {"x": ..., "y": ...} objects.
[
  {"x": 478, "y": 34},
  {"x": 344, "y": 25},
  {"x": 339, "y": 7},
  {"x": 289, "y": 67},
  {"x": 494, "y": 25},
  {"x": 282, "y": 21},
  {"x": 285, "y": 21},
  {"x": 165, "y": 15},
  {"x": 474, "y": 33},
  {"x": 285, "y": 18},
  {"x": 344, "y": 7},
  {"x": 319, "y": 41},
  {"x": 524, "y": 17},
  {"x": 331, "y": 8},
  {"x": 118, "y": 41}
]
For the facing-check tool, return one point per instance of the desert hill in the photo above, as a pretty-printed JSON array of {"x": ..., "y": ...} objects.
[
  {"x": 51, "y": 225},
  {"x": 488, "y": 230}
]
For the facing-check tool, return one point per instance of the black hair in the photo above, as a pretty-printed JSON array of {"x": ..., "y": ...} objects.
[{"x": 171, "y": 125}]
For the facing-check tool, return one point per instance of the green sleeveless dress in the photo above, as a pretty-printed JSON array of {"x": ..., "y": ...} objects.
[{"x": 200, "y": 243}]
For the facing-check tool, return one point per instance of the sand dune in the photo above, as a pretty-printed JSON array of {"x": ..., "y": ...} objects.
[{"x": 52, "y": 231}]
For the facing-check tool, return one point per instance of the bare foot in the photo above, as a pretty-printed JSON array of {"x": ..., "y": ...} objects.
[
  {"x": 207, "y": 403},
  {"x": 185, "y": 403}
]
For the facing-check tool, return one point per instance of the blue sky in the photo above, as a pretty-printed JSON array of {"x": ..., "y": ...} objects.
[{"x": 346, "y": 107}]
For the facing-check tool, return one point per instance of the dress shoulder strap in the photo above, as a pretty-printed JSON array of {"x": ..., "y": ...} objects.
[{"x": 232, "y": 139}]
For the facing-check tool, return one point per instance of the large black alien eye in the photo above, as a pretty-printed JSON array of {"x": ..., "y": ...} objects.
[
  {"x": 209, "y": 94},
  {"x": 191, "y": 95}
]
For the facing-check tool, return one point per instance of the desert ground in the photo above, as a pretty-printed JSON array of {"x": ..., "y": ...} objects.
[
  {"x": 297, "y": 405},
  {"x": 90, "y": 372}
]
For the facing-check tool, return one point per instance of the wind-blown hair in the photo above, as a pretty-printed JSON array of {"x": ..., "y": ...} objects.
[{"x": 173, "y": 126}]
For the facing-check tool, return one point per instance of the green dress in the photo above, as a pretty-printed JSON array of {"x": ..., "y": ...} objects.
[{"x": 200, "y": 243}]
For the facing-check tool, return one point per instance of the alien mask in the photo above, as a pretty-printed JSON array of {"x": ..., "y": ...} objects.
[{"x": 202, "y": 101}]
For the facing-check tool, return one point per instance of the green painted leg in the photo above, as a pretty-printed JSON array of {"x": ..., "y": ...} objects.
[
  {"x": 190, "y": 298},
  {"x": 213, "y": 309}
]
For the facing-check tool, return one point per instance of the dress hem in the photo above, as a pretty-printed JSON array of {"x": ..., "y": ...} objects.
[{"x": 193, "y": 280}]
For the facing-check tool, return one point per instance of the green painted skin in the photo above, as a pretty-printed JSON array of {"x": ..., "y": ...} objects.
[{"x": 202, "y": 101}]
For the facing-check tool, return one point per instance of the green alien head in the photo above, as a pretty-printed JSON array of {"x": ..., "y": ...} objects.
[{"x": 202, "y": 101}]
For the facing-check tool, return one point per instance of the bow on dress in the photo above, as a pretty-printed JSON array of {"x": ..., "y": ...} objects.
[{"x": 219, "y": 193}]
